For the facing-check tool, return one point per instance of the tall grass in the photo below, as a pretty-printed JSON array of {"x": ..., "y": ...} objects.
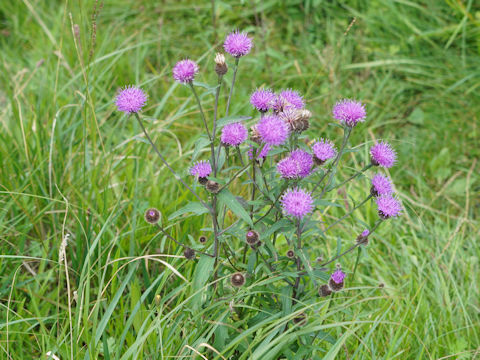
[{"x": 73, "y": 168}]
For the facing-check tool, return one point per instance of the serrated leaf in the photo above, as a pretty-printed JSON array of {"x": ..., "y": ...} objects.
[
  {"x": 231, "y": 202},
  {"x": 194, "y": 208}
]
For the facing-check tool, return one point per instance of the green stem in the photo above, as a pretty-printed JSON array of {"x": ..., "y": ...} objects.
[
  {"x": 348, "y": 214},
  {"x": 201, "y": 112},
  {"x": 354, "y": 176},
  {"x": 233, "y": 84}
]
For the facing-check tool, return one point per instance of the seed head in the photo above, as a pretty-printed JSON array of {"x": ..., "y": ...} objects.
[
  {"x": 237, "y": 279},
  {"x": 131, "y": 99},
  {"x": 152, "y": 216},
  {"x": 221, "y": 67},
  {"x": 189, "y": 254}
]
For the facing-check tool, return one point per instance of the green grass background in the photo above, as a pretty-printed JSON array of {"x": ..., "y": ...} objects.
[{"x": 69, "y": 163}]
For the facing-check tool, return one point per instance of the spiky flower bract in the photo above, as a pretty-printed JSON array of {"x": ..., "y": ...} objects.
[
  {"x": 234, "y": 134},
  {"x": 383, "y": 154},
  {"x": 381, "y": 185},
  {"x": 288, "y": 168},
  {"x": 304, "y": 160},
  {"x": 237, "y": 44},
  {"x": 262, "y": 99},
  {"x": 273, "y": 130},
  {"x": 324, "y": 150},
  {"x": 349, "y": 112},
  {"x": 288, "y": 99},
  {"x": 297, "y": 202},
  {"x": 131, "y": 99},
  {"x": 201, "y": 169},
  {"x": 184, "y": 71},
  {"x": 388, "y": 206},
  {"x": 261, "y": 153}
]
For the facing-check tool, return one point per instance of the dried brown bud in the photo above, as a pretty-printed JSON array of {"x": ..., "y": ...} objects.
[
  {"x": 300, "y": 319},
  {"x": 221, "y": 67},
  {"x": 189, "y": 253},
  {"x": 381, "y": 285},
  {"x": 324, "y": 290},
  {"x": 202, "y": 239},
  {"x": 212, "y": 186},
  {"x": 335, "y": 286},
  {"x": 202, "y": 180},
  {"x": 290, "y": 254},
  {"x": 252, "y": 237},
  {"x": 237, "y": 279},
  {"x": 152, "y": 216},
  {"x": 297, "y": 120}
]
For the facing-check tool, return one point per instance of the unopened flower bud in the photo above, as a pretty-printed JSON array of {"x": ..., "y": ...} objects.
[
  {"x": 221, "y": 67},
  {"x": 363, "y": 237},
  {"x": 252, "y": 237},
  {"x": 290, "y": 254},
  {"x": 152, "y": 216},
  {"x": 324, "y": 290},
  {"x": 212, "y": 186},
  {"x": 237, "y": 279},
  {"x": 202, "y": 239},
  {"x": 189, "y": 254}
]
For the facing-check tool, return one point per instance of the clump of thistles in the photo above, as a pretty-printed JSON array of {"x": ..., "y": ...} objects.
[
  {"x": 381, "y": 185},
  {"x": 202, "y": 169},
  {"x": 323, "y": 150},
  {"x": 383, "y": 155},
  {"x": 272, "y": 130},
  {"x": 262, "y": 99},
  {"x": 131, "y": 99},
  {"x": 349, "y": 112},
  {"x": 297, "y": 202},
  {"x": 237, "y": 44},
  {"x": 234, "y": 134},
  {"x": 185, "y": 70},
  {"x": 388, "y": 206}
]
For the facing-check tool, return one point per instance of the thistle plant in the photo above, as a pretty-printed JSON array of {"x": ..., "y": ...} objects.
[{"x": 264, "y": 185}]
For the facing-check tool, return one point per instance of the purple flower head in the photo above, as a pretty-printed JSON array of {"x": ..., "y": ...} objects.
[
  {"x": 338, "y": 276},
  {"x": 184, "y": 71},
  {"x": 234, "y": 134},
  {"x": 288, "y": 99},
  {"x": 237, "y": 44},
  {"x": 383, "y": 154},
  {"x": 297, "y": 202},
  {"x": 324, "y": 150},
  {"x": 365, "y": 233},
  {"x": 304, "y": 160},
  {"x": 381, "y": 185},
  {"x": 288, "y": 168},
  {"x": 388, "y": 206},
  {"x": 131, "y": 99},
  {"x": 349, "y": 112},
  {"x": 201, "y": 169},
  {"x": 273, "y": 130},
  {"x": 261, "y": 153},
  {"x": 262, "y": 99}
]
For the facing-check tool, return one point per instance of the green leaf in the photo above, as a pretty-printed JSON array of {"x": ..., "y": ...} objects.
[
  {"x": 231, "y": 119},
  {"x": 231, "y": 202},
  {"x": 252, "y": 260},
  {"x": 194, "y": 207},
  {"x": 416, "y": 117},
  {"x": 203, "y": 272}
]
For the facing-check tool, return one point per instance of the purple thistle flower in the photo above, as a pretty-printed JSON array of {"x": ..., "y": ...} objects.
[
  {"x": 288, "y": 99},
  {"x": 324, "y": 150},
  {"x": 273, "y": 130},
  {"x": 388, "y": 206},
  {"x": 131, "y": 99},
  {"x": 297, "y": 202},
  {"x": 304, "y": 160},
  {"x": 288, "y": 168},
  {"x": 338, "y": 276},
  {"x": 261, "y": 153},
  {"x": 237, "y": 44},
  {"x": 262, "y": 99},
  {"x": 234, "y": 134},
  {"x": 381, "y": 185},
  {"x": 383, "y": 154},
  {"x": 201, "y": 169},
  {"x": 349, "y": 112},
  {"x": 184, "y": 71}
]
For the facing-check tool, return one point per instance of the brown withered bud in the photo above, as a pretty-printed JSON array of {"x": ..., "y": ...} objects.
[
  {"x": 297, "y": 120},
  {"x": 202, "y": 180},
  {"x": 300, "y": 319},
  {"x": 324, "y": 290},
  {"x": 189, "y": 253},
  {"x": 152, "y": 216},
  {"x": 212, "y": 186},
  {"x": 290, "y": 254},
  {"x": 202, "y": 239},
  {"x": 237, "y": 279},
  {"x": 381, "y": 285},
  {"x": 252, "y": 237},
  {"x": 221, "y": 67}
]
